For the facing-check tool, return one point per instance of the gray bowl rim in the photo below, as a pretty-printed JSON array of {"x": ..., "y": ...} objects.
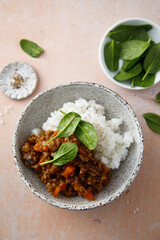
[
  {"x": 122, "y": 21},
  {"x": 123, "y": 187}
]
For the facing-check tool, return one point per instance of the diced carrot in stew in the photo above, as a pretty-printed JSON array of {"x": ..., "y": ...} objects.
[
  {"x": 89, "y": 195},
  {"x": 56, "y": 191},
  {"x": 106, "y": 169},
  {"x": 38, "y": 147},
  {"x": 54, "y": 134},
  {"x": 63, "y": 187},
  {"x": 76, "y": 187},
  {"x": 42, "y": 159},
  {"x": 68, "y": 171}
]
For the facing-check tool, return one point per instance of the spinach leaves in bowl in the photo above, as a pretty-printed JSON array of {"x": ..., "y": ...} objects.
[{"x": 138, "y": 41}]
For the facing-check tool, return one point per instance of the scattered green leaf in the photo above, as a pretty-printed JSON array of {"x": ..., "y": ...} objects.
[
  {"x": 31, "y": 48},
  {"x": 158, "y": 98},
  {"x": 153, "y": 121}
]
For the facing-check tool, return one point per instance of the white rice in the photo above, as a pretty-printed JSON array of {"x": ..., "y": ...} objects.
[
  {"x": 36, "y": 131},
  {"x": 112, "y": 146}
]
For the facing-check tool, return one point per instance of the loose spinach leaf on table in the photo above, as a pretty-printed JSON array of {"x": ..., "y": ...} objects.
[
  {"x": 86, "y": 133},
  {"x": 66, "y": 126},
  {"x": 66, "y": 153},
  {"x": 31, "y": 48},
  {"x": 152, "y": 60},
  {"x": 122, "y": 32},
  {"x": 158, "y": 98},
  {"x": 111, "y": 55},
  {"x": 133, "y": 49},
  {"x": 139, "y": 34},
  {"x": 149, "y": 80},
  {"x": 122, "y": 75},
  {"x": 153, "y": 121}
]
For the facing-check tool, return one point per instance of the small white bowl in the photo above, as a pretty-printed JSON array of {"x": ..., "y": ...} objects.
[
  {"x": 154, "y": 33},
  {"x": 7, "y": 78}
]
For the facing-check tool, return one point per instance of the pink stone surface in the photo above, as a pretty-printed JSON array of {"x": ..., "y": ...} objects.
[{"x": 70, "y": 32}]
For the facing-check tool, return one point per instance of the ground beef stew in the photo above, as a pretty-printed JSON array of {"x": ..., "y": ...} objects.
[{"x": 83, "y": 176}]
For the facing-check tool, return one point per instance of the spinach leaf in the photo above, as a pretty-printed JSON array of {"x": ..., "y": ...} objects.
[
  {"x": 86, "y": 133},
  {"x": 31, "y": 48},
  {"x": 152, "y": 43},
  {"x": 111, "y": 55},
  {"x": 66, "y": 153},
  {"x": 132, "y": 84},
  {"x": 158, "y": 98},
  {"x": 149, "y": 80},
  {"x": 122, "y": 32},
  {"x": 133, "y": 49},
  {"x": 66, "y": 126},
  {"x": 128, "y": 64},
  {"x": 153, "y": 121},
  {"x": 122, "y": 75},
  {"x": 152, "y": 60},
  {"x": 139, "y": 34}
]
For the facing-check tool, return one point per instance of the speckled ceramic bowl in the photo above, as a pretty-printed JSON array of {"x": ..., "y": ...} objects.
[{"x": 38, "y": 110}]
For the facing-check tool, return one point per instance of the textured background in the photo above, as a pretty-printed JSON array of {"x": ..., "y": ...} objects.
[{"x": 70, "y": 32}]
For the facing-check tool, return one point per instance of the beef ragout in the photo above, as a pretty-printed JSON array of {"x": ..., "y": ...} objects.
[{"x": 84, "y": 175}]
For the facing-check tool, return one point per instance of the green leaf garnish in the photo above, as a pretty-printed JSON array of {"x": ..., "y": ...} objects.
[
  {"x": 66, "y": 153},
  {"x": 66, "y": 126},
  {"x": 86, "y": 133}
]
